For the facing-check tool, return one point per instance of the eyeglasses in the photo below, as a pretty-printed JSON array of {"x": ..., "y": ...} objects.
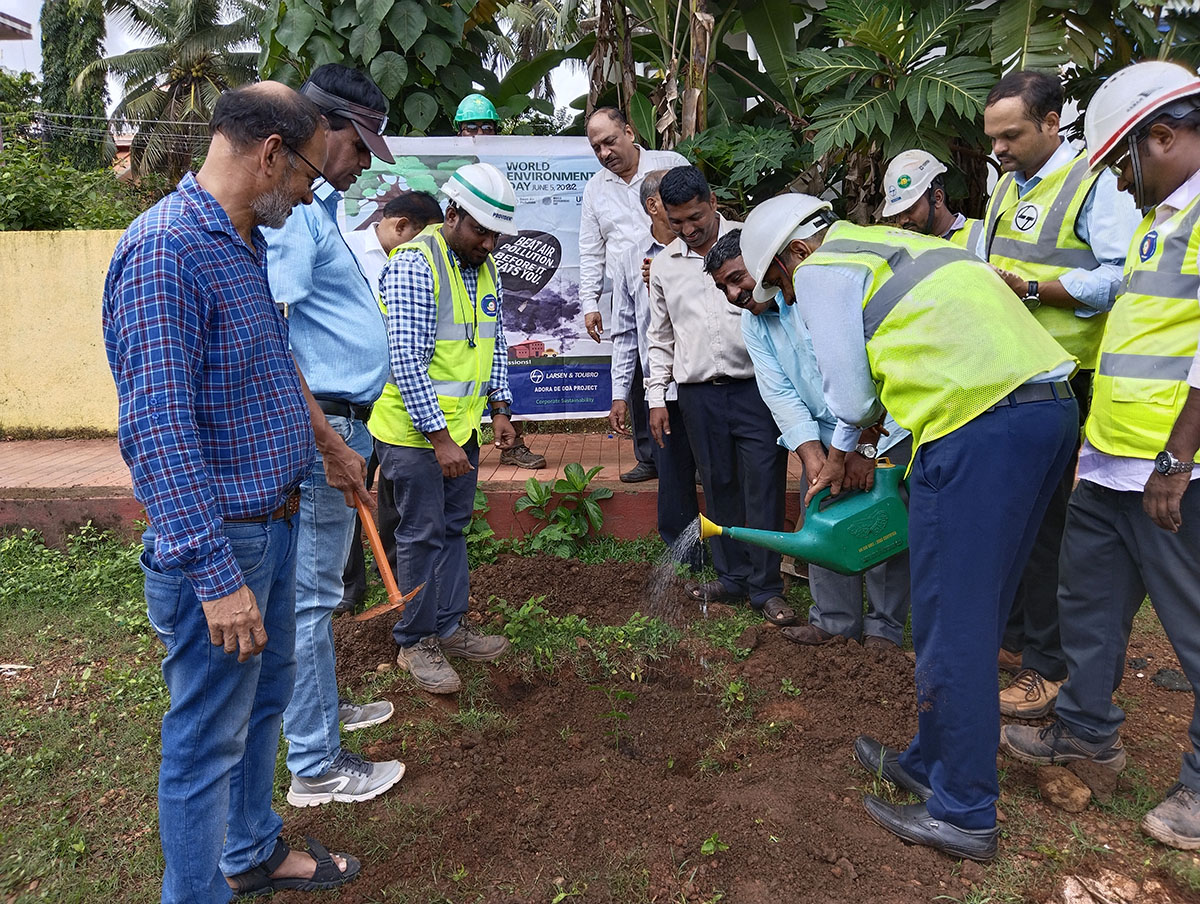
[
  {"x": 317, "y": 174},
  {"x": 481, "y": 128}
]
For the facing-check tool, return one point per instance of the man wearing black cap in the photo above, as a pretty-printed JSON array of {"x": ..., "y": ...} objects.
[{"x": 339, "y": 340}]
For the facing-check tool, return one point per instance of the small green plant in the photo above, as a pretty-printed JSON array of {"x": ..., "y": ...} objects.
[
  {"x": 788, "y": 689},
  {"x": 482, "y": 545},
  {"x": 713, "y": 845},
  {"x": 734, "y": 695},
  {"x": 615, "y": 714},
  {"x": 567, "y": 508}
]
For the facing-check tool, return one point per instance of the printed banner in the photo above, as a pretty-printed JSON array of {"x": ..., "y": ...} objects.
[{"x": 555, "y": 369}]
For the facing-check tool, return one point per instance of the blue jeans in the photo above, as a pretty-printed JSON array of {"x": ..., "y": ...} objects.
[
  {"x": 326, "y": 527},
  {"x": 221, "y": 732},
  {"x": 430, "y": 546}
]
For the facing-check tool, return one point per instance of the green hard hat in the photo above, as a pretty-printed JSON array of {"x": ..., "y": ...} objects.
[{"x": 475, "y": 107}]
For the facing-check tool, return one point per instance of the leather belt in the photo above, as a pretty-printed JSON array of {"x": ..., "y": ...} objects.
[
  {"x": 342, "y": 408},
  {"x": 285, "y": 512},
  {"x": 723, "y": 380},
  {"x": 1036, "y": 392}
]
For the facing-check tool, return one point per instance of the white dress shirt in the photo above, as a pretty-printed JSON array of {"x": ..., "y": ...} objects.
[
  {"x": 612, "y": 221},
  {"x": 1113, "y": 471},
  {"x": 364, "y": 243},
  {"x": 631, "y": 320}
]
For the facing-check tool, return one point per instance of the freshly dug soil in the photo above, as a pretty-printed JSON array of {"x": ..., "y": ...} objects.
[{"x": 572, "y": 798}]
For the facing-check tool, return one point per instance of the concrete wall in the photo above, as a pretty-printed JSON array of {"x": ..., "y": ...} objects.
[{"x": 53, "y": 373}]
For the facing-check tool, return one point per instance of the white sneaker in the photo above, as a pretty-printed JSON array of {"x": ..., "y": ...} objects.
[
  {"x": 354, "y": 716},
  {"x": 351, "y": 779}
]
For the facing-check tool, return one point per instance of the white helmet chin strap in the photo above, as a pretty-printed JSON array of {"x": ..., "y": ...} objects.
[{"x": 1139, "y": 185}]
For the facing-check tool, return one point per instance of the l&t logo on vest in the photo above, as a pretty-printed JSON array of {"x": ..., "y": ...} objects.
[
  {"x": 1148, "y": 247},
  {"x": 1026, "y": 217},
  {"x": 489, "y": 304}
]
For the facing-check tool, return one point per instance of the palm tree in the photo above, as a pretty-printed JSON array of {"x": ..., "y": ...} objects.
[{"x": 196, "y": 50}]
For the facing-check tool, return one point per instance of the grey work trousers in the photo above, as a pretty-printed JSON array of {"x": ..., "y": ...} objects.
[
  {"x": 838, "y": 598},
  {"x": 1112, "y": 556}
]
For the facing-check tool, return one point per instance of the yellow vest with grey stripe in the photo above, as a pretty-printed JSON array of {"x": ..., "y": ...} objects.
[
  {"x": 945, "y": 339},
  {"x": 967, "y": 236},
  {"x": 461, "y": 366},
  {"x": 1034, "y": 237},
  {"x": 1150, "y": 340}
]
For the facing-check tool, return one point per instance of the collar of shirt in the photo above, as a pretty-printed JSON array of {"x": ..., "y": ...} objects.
[
  {"x": 678, "y": 248},
  {"x": 644, "y": 166},
  {"x": 959, "y": 221},
  {"x": 1178, "y": 199},
  {"x": 1061, "y": 157},
  {"x": 212, "y": 216},
  {"x": 371, "y": 243},
  {"x": 329, "y": 198}
]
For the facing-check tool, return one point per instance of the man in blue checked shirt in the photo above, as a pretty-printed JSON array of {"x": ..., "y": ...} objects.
[
  {"x": 339, "y": 342},
  {"x": 216, "y": 433}
]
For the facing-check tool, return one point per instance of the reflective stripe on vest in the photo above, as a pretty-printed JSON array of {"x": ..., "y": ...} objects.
[
  {"x": 1150, "y": 341},
  {"x": 945, "y": 339},
  {"x": 967, "y": 236},
  {"x": 1048, "y": 247}
]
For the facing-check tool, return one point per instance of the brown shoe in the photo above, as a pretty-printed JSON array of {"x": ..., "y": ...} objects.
[
  {"x": 1008, "y": 661},
  {"x": 809, "y": 635},
  {"x": 882, "y": 644},
  {"x": 427, "y": 665},
  {"x": 1030, "y": 696},
  {"x": 468, "y": 642},
  {"x": 522, "y": 457}
]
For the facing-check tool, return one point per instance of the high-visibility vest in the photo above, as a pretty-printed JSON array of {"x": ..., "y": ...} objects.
[
  {"x": 967, "y": 236},
  {"x": 461, "y": 367},
  {"x": 1034, "y": 237},
  {"x": 945, "y": 338},
  {"x": 1150, "y": 341}
]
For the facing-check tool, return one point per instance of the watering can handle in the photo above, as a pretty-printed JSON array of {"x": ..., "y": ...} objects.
[{"x": 825, "y": 499}]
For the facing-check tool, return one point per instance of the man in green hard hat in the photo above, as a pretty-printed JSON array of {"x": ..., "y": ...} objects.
[{"x": 476, "y": 115}]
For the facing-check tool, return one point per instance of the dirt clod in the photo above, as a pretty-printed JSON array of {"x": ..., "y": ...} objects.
[{"x": 1062, "y": 788}]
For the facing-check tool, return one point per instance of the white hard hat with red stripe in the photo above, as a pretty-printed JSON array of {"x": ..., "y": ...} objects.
[
  {"x": 774, "y": 223},
  {"x": 1128, "y": 98}
]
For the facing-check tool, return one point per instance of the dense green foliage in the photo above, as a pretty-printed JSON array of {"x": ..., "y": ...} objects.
[
  {"x": 73, "y": 107},
  {"x": 19, "y": 101}
]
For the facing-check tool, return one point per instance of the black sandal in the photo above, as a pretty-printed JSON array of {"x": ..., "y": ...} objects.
[{"x": 258, "y": 881}]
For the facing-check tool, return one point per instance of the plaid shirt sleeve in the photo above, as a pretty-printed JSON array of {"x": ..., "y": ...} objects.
[
  {"x": 498, "y": 390},
  {"x": 406, "y": 287},
  {"x": 156, "y": 329}
]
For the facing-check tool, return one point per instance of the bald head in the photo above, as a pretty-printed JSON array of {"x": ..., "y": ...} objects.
[{"x": 247, "y": 116}]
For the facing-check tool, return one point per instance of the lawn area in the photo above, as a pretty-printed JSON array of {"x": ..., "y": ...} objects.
[{"x": 628, "y": 750}]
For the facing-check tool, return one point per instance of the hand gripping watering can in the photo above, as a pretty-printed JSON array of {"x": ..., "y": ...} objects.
[{"x": 848, "y": 533}]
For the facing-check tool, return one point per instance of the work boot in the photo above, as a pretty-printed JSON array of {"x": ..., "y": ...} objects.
[
  {"x": 1008, "y": 661},
  {"x": 522, "y": 457},
  {"x": 1030, "y": 696},
  {"x": 354, "y": 716},
  {"x": 642, "y": 471},
  {"x": 350, "y": 779},
  {"x": 1176, "y": 821},
  {"x": 468, "y": 642},
  {"x": 1055, "y": 745},
  {"x": 427, "y": 664}
]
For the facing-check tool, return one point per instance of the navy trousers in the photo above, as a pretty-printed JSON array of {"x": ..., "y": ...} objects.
[
  {"x": 639, "y": 415},
  {"x": 678, "y": 504},
  {"x": 976, "y": 499},
  {"x": 744, "y": 474}
]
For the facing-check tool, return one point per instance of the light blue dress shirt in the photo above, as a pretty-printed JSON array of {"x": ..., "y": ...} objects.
[
  {"x": 1106, "y": 222},
  {"x": 338, "y": 335},
  {"x": 631, "y": 319},
  {"x": 789, "y": 381}
]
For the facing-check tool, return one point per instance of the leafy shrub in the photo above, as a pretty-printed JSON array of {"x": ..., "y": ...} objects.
[{"x": 568, "y": 518}]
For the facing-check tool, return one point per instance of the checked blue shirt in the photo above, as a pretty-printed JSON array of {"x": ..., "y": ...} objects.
[{"x": 212, "y": 422}]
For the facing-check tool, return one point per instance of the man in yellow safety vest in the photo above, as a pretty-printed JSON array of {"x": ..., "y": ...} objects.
[
  {"x": 916, "y": 200},
  {"x": 1133, "y": 526},
  {"x": 1057, "y": 233}
]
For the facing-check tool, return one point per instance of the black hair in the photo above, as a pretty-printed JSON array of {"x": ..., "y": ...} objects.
[
  {"x": 1175, "y": 118},
  {"x": 613, "y": 113},
  {"x": 682, "y": 184},
  {"x": 1042, "y": 93},
  {"x": 253, "y": 113},
  {"x": 650, "y": 184},
  {"x": 421, "y": 208},
  {"x": 726, "y": 249},
  {"x": 351, "y": 85}
]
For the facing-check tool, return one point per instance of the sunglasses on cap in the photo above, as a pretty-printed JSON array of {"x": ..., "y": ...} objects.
[{"x": 368, "y": 122}]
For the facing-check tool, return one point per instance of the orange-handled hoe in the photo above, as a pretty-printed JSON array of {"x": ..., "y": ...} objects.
[{"x": 396, "y": 599}]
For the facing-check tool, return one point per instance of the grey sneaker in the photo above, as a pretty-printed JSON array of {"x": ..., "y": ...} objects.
[
  {"x": 1055, "y": 744},
  {"x": 351, "y": 779},
  {"x": 354, "y": 716},
  {"x": 468, "y": 642},
  {"x": 1176, "y": 821},
  {"x": 426, "y": 663}
]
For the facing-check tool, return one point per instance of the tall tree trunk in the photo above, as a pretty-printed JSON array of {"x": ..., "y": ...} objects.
[{"x": 695, "y": 94}]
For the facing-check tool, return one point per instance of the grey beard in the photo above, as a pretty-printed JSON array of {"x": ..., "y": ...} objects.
[{"x": 273, "y": 208}]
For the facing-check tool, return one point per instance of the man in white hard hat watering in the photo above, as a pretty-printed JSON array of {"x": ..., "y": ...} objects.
[
  {"x": 789, "y": 381},
  {"x": 449, "y": 362},
  {"x": 916, "y": 200},
  {"x": 1133, "y": 524}
]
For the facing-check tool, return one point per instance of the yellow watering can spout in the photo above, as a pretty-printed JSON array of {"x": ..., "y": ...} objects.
[{"x": 708, "y": 529}]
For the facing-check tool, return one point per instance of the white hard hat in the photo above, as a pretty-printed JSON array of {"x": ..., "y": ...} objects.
[
  {"x": 483, "y": 191},
  {"x": 1127, "y": 98},
  {"x": 909, "y": 176},
  {"x": 771, "y": 225}
]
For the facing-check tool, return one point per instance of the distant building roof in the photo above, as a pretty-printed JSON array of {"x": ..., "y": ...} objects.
[{"x": 13, "y": 29}]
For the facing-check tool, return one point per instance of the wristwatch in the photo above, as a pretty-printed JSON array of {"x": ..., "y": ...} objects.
[
  {"x": 866, "y": 450},
  {"x": 505, "y": 410},
  {"x": 1032, "y": 299},
  {"x": 1166, "y": 464}
]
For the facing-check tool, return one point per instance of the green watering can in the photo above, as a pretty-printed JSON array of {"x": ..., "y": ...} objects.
[{"x": 848, "y": 533}]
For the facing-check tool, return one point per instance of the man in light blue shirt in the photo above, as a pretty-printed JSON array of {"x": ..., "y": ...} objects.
[
  {"x": 339, "y": 340},
  {"x": 791, "y": 385}
]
